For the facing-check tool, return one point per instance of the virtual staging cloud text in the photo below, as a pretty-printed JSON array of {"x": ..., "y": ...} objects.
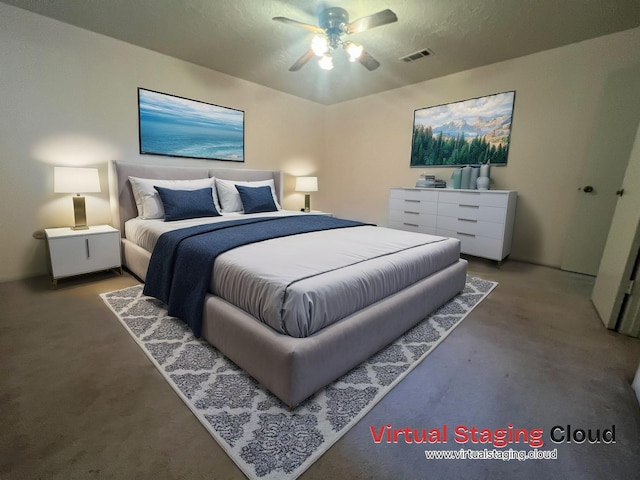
[{"x": 498, "y": 437}]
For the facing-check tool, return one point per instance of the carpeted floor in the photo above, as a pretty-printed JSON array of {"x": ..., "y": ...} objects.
[
  {"x": 79, "y": 400},
  {"x": 262, "y": 436}
]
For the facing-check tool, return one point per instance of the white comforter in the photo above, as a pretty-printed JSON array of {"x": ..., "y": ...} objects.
[{"x": 300, "y": 284}]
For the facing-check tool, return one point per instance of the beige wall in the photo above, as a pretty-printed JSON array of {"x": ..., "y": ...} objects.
[
  {"x": 558, "y": 96},
  {"x": 68, "y": 97}
]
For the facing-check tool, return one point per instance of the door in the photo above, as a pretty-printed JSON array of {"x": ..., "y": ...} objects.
[
  {"x": 629, "y": 319},
  {"x": 609, "y": 150},
  {"x": 614, "y": 294}
]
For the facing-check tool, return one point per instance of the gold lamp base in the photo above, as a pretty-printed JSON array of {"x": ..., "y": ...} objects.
[
  {"x": 307, "y": 202},
  {"x": 79, "y": 213}
]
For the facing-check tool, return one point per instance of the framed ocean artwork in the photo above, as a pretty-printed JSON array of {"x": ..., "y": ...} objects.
[
  {"x": 180, "y": 127},
  {"x": 468, "y": 132}
]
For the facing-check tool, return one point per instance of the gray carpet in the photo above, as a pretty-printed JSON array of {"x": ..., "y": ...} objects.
[{"x": 264, "y": 438}]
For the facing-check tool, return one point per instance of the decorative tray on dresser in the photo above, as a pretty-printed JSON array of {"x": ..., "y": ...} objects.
[{"x": 481, "y": 219}]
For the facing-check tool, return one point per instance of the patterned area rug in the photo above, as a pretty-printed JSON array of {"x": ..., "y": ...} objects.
[{"x": 260, "y": 434}]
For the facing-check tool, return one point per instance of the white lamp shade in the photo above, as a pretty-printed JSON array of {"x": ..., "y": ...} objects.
[
  {"x": 75, "y": 180},
  {"x": 306, "y": 184}
]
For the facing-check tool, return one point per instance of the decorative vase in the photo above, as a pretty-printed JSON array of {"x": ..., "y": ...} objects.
[
  {"x": 475, "y": 169},
  {"x": 465, "y": 177},
  {"x": 456, "y": 177},
  {"x": 483, "y": 183}
]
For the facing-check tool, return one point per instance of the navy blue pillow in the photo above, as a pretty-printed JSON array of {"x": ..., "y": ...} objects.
[
  {"x": 256, "y": 199},
  {"x": 184, "y": 204}
]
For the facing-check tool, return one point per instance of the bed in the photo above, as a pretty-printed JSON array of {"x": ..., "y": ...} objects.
[{"x": 345, "y": 325}]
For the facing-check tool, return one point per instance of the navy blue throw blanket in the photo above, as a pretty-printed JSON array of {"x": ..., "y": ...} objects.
[{"x": 181, "y": 264}]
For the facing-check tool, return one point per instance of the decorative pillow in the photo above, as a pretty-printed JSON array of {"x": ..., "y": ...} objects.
[
  {"x": 230, "y": 198},
  {"x": 256, "y": 199},
  {"x": 147, "y": 199},
  {"x": 184, "y": 204}
]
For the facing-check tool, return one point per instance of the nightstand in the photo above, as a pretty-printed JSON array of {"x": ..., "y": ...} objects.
[
  {"x": 319, "y": 212},
  {"x": 74, "y": 252}
]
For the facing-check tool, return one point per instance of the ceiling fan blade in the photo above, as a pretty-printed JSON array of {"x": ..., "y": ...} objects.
[
  {"x": 295, "y": 23},
  {"x": 302, "y": 61},
  {"x": 376, "y": 20},
  {"x": 368, "y": 61}
]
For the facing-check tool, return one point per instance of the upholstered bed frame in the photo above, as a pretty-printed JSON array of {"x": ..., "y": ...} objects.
[{"x": 291, "y": 368}]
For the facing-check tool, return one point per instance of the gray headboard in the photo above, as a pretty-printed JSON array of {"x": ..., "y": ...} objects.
[{"x": 125, "y": 207}]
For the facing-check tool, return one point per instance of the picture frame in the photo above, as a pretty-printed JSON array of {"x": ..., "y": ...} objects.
[
  {"x": 467, "y": 132},
  {"x": 175, "y": 126}
]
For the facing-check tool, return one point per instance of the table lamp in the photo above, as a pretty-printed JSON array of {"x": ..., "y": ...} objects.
[
  {"x": 76, "y": 180},
  {"x": 306, "y": 185}
]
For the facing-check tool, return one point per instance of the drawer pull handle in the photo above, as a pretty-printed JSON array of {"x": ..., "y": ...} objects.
[
  {"x": 466, "y": 234},
  {"x": 411, "y": 201},
  {"x": 467, "y": 220},
  {"x": 411, "y": 224},
  {"x": 469, "y": 206},
  {"x": 86, "y": 240},
  {"x": 412, "y": 213}
]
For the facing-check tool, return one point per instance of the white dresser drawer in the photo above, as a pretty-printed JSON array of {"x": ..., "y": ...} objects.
[
  {"x": 486, "y": 247},
  {"x": 472, "y": 212},
  {"x": 413, "y": 206},
  {"x": 421, "y": 219},
  {"x": 470, "y": 227},
  {"x": 414, "y": 194},
  {"x": 481, "y": 220},
  {"x": 412, "y": 227},
  {"x": 474, "y": 198}
]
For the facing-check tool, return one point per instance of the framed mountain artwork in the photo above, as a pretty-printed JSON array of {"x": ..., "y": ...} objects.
[{"x": 468, "y": 132}]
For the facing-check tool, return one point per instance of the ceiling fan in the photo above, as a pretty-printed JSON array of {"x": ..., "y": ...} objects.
[{"x": 333, "y": 24}]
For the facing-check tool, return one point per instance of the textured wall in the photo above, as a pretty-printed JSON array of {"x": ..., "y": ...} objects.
[
  {"x": 69, "y": 98},
  {"x": 558, "y": 100}
]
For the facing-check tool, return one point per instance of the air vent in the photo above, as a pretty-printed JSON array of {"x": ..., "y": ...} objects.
[{"x": 416, "y": 55}]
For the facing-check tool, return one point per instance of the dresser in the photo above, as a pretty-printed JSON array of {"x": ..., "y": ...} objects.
[
  {"x": 74, "y": 252},
  {"x": 481, "y": 219}
]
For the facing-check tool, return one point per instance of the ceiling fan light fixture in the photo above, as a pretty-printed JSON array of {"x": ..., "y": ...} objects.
[
  {"x": 326, "y": 62},
  {"x": 333, "y": 24},
  {"x": 354, "y": 50},
  {"x": 319, "y": 45}
]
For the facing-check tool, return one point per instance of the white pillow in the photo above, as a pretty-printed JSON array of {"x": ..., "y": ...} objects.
[
  {"x": 230, "y": 198},
  {"x": 147, "y": 198}
]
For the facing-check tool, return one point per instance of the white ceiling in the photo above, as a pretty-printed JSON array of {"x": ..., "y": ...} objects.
[{"x": 239, "y": 37}]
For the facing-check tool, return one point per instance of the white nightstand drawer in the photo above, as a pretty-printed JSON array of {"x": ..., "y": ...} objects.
[{"x": 74, "y": 252}]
